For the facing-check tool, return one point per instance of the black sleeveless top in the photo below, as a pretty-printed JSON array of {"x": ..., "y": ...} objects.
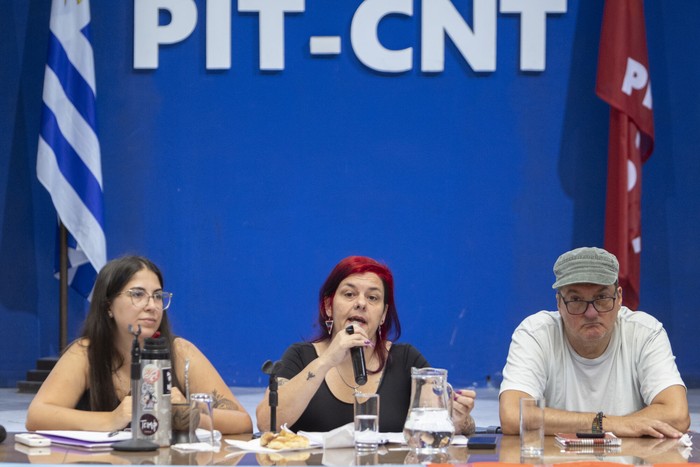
[
  {"x": 325, "y": 412},
  {"x": 84, "y": 402}
]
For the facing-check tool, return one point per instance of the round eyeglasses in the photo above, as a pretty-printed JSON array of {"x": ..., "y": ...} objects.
[
  {"x": 579, "y": 307},
  {"x": 139, "y": 297}
]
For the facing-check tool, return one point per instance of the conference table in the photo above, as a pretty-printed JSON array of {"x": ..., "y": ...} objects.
[{"x": 637, "y": 451}]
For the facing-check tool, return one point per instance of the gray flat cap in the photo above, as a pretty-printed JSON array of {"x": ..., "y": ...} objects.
[{"x": 588, "y": 265}]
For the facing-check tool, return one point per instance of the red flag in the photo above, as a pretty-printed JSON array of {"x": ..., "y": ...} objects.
[{"x": 623, "y": 82}]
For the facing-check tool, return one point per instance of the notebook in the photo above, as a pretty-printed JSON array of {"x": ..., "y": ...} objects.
[
  {"x": 568, "y": 440},
  {"x": 85, "y": 440}
]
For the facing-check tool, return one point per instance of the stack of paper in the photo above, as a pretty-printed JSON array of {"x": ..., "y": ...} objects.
[{"x": 86, "y": 440}]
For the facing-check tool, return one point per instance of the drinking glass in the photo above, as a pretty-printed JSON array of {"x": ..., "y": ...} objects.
[
  {"x": 366, "y": 421},
  {"x": 202, "y": 420},
  {"x": 531, "y": 427}
]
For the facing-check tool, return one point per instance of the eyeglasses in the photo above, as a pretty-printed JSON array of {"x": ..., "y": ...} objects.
[
  {"x": 139, "y": 297},
  {"x": 579, "y": 307}
]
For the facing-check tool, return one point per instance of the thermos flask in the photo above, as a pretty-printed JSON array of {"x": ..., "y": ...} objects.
[{"x": 154, "y": 405}]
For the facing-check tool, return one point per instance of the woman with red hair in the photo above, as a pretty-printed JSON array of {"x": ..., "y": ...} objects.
[{"x": 316, "y": 379}]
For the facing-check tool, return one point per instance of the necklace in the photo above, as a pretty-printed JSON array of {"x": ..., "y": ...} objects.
[{"x": 354, "y": 388}]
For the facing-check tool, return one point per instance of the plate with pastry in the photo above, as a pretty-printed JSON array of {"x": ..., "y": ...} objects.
[{"x": 269, "y": 442}]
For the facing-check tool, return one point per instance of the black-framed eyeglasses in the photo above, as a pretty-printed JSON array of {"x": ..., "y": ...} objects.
[
  {"x": 579, "y": 307},
  {"x": 139, "y": 297}
]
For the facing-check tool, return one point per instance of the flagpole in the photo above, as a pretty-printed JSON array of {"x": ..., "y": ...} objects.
[{"x": 63, "y": 287}]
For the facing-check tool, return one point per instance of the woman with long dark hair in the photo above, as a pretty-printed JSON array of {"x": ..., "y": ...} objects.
[
  {"x": 89, "y": 388},
  {"x": 316, "y": 381}
]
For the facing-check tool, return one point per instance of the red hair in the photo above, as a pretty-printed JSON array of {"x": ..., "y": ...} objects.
[{"x": 361, "y": 265}]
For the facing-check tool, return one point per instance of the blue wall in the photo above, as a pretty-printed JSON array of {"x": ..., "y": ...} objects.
[{"x": 247, "y": 186}]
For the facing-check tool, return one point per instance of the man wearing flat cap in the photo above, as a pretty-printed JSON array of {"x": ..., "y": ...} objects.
[{"x": 599, "y": 365}]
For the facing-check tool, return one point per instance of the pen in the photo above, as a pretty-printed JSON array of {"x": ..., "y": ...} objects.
[{"x": 115, "y": 433}]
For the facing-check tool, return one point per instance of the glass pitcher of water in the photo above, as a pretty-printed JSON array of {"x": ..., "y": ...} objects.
[{"x": 429, "y": 428}]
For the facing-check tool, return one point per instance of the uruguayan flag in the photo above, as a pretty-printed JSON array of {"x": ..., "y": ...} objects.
[{"x": 68, "y": 160}]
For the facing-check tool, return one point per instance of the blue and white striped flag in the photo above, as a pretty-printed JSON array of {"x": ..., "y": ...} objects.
[{"x": 68, "y": 159}]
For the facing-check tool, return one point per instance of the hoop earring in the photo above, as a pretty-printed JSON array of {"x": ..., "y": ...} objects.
[{"x": 329, "y": 325}]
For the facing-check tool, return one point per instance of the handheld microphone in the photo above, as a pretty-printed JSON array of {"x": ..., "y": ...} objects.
[{"x": 357, "y": 354}]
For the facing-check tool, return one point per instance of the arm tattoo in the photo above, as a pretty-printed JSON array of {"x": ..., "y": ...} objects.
[
  {"x": 310, "y": 375},
  {"x": 219, "y": 401}
]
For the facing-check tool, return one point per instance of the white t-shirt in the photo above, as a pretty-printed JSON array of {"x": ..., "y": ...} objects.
[{"x": 637, "y": 365}]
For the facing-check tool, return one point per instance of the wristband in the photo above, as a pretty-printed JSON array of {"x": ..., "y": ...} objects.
[{"x": 597, "y": 426}]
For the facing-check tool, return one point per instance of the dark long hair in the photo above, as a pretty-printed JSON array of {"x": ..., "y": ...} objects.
[
  {"x": 360, "y": 265},
  {"x": 103, "y": 357}
]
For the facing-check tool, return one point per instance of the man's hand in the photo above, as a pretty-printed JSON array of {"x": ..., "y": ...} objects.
[
  {"x": 667, "y": 416},
  {"x": 632, "y": 426}
]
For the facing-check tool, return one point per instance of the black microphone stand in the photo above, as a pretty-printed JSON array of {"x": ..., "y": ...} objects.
[
  {"x": 271, "y": 369},
  {"x": 135, "y": 444}
]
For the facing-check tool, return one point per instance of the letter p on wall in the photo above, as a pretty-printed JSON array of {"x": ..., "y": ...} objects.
[{"x": 149, "y": 34}]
